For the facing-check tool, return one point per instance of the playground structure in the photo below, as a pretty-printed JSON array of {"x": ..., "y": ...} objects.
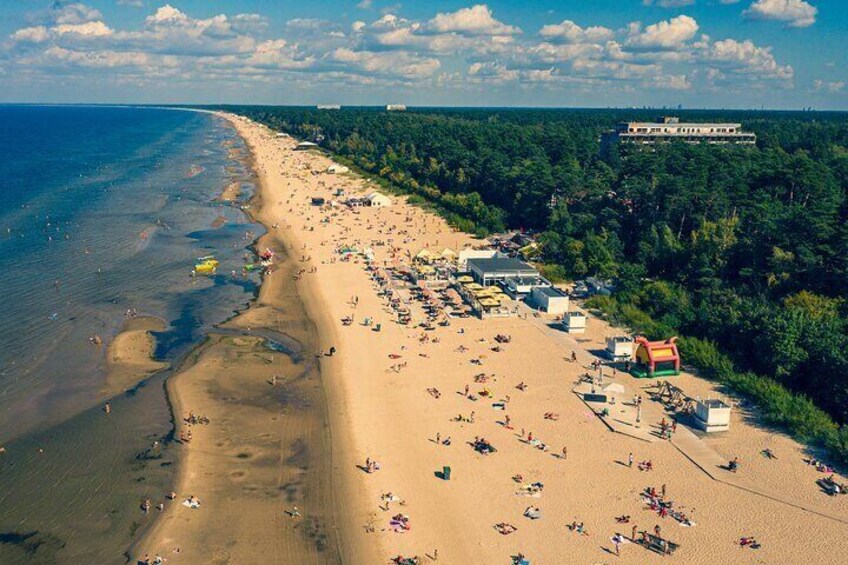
[
  {"x": 710, "y": 415},
  {"x": 656, "y": 358}
]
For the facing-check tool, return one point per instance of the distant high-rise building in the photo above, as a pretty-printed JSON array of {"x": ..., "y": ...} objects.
[{"x": 395, "y": 108}]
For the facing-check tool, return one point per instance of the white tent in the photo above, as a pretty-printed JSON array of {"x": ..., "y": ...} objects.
[
  {"x": 334, "y": 168},
  {"x": 377, "y": 199},
  {"x": 614, "y": 388}
]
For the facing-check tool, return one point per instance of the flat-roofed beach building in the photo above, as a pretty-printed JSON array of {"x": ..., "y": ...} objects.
[{"x": 668, "y": 128}]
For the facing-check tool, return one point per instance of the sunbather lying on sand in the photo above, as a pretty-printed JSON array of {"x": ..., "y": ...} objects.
[{"x": 505, "y": 528}]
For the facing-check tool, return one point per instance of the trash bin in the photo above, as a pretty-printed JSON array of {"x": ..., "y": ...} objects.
[{"x": 446, "y": 472}]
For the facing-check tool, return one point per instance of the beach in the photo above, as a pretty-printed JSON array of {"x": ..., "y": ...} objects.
[{"x": 392, "y": 394}]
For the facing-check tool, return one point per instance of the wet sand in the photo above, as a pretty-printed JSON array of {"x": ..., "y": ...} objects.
[
  {"x": 266, "y": 448},
  {"x": 129, "y": 357},
  {"x": 231, "y": 192}
]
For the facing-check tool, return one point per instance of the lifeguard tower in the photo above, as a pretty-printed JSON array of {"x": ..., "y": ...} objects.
[{"x": 656, "y": 358}]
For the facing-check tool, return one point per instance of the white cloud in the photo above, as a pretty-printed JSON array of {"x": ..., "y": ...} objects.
[
  {"x": 76, "y": 13},
  {"x": 569, "y": 31},
  {"x": 89, "y": 29},
  {"x": 746, "y": 58},
  {"x": 668, "y": 3},
  {"x": 389, "y": 63},
  {"x": 364, "y": 5},
  {"x": 37, "y": 34},
  {"x": 669, "y": 34},
  {"x": 492, "y": 71},
  {"x": 796, "y": 13},
  {"x": 832, "y": 87},
  {"x": 131, "y": 3},
  {"x": 476, "y": 20}
]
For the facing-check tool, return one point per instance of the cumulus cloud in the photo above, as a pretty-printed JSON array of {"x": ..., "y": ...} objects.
[
  {"x": 795, "y": 13},
  {"x": 385, "y": 63},
  {"x": 746, "y": 58},
  {"x": 476, "y": 20},
  {"x": 37, "y": 34},
  {"x": 568, "y": 31},
  {"x": 668, "y": 34}
]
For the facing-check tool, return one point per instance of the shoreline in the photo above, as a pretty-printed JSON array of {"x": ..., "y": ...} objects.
[{"x": 270, "y": 309}]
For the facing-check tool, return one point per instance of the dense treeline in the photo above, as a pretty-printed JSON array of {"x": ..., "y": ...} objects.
[{"x": 743, "y": 247}]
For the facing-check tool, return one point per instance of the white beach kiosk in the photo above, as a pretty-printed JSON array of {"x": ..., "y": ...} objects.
[
  {"x": 574, "y": 322},
  {"x": 712, "y": 415},
  {"x": 619, "y": 348}
]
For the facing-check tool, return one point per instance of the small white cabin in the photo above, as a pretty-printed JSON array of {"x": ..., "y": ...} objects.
[
  {"x": 619, "y": 348},
  {"x": 712, "y": 415},
  {"x": 574, "y": 322},
  {"x": 549, "y": 299}
]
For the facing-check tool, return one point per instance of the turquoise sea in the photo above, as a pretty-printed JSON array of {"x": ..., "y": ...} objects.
[{"x": 102, "y": 210}]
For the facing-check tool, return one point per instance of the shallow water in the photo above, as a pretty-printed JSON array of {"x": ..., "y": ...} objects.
[{"x": 101, "y": 210}]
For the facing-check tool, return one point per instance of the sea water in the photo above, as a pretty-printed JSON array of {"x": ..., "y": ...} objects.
[{"x": 103, "y": 210}]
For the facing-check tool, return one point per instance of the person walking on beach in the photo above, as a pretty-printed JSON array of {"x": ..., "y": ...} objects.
[
  {"x": 564, "y": 453},
  {"x": 630, "y": 461},
  {"x": 633, "y": 533}
]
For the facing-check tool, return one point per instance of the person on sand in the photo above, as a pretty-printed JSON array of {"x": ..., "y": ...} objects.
[
  {"x": 107, "y": 408},
  {"x": 630, "y": 460}
]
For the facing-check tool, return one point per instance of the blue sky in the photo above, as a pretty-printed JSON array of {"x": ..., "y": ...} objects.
[{"x": 698, "y": 53}]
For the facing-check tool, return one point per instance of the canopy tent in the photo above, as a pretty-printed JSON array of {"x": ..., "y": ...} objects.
[
  {"x": 424, "y": 255},
  {"x": 614, "y": 387}
]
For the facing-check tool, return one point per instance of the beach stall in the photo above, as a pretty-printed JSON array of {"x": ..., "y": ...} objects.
[
  {"x": 656, "y": 358},
  {"x": 712, "y": 415},
  {"x": 574, "y": 322},
  {"x": 491, "y": 271},
  {"x": 619, "y": 348}
]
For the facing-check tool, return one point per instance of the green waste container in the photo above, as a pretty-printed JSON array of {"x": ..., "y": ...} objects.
[{"x": 446, "y": 472}]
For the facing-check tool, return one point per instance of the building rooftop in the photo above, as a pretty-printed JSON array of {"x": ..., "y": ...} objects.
[
  {"x": 551, "y": 291},
  {"x": 508, "y": 265}
]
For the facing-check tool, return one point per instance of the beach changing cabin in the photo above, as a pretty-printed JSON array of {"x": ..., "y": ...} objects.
[
  {"x": 549, "y": 299},
  {"x": 712, "y": 415},
  {"x": 619, "y": 348},
  {"x": 656, "y": 358},
  {"x": 574, "y": 322}
]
